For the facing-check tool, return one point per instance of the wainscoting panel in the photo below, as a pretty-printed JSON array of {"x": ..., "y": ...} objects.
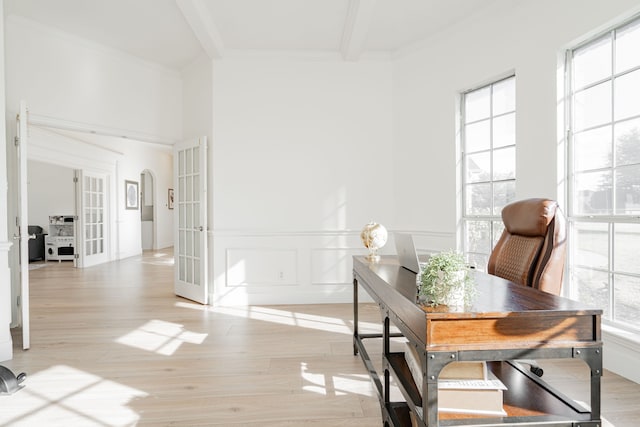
[
  {"x": 261, "y": 267},
  {"x": 282, "y": 267}
]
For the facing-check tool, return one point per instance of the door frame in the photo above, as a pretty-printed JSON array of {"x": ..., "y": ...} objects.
[{"x": 94, "y": 160}]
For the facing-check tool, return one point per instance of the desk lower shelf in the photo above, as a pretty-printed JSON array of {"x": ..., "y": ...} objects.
[
  {"x": 399, "y": 413},
  {"x": 526, "y": 397}
]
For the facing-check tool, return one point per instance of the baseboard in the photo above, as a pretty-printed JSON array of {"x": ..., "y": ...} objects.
[
  {"x": 128, "y": 254},
  {"x": 163, "y": 245},
  {"x": 621, "y": 353}
]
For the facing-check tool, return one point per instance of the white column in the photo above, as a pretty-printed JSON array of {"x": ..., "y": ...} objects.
[{"x": 6, "y": 343}]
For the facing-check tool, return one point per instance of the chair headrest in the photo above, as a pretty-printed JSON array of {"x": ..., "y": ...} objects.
[{"x": 530, "y": 217}]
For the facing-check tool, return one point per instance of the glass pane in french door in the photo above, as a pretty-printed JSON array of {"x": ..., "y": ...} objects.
[
  {"x": 93, "y": 202},
  {"x": 188, "y": 209}
]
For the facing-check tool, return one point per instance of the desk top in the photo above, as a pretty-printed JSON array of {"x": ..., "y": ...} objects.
[{"x": 501, "y": 313}]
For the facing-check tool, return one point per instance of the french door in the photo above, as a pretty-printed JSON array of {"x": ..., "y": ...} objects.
[
  {"x": 91, "y": 199},
  {"x": 190, "y": 221}
]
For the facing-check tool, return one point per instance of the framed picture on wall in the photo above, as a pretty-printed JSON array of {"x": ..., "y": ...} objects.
[
  {"x": 170, "y": 203},
  {"x": 131, "y": 198}
]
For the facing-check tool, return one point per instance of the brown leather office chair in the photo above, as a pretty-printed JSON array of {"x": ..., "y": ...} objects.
[{"x": 532, "y": 248}]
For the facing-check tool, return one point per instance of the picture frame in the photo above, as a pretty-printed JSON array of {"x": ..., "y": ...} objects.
[
  {"x": 170, "y": 198},
  {"x": 131, "y": 195}
]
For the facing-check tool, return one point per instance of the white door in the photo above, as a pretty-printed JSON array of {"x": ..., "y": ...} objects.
[
  {"x": 91, "y": 230},
  {"x": 23, "y": 223},
  {"x": 190, "y": 229}
]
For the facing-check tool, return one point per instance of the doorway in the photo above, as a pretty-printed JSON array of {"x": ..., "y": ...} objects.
[
  {"x": 51, "y": 210},
  {"x": 147, "y": 210}
]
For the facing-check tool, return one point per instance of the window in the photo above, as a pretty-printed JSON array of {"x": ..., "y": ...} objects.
[
  {"x": 604, "y": 174},
  {"x": 488, "y": 165}
]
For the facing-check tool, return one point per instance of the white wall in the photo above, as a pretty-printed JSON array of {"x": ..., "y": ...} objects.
[
  {"x": 302, "y": 159},
  {"x": 51, "y": 192},
  {"x": 428, "y": 79},
  {"x": 197, "y": 99},
  {"x": 159, "y": 161},
  {"x": 76, "y": 82}
]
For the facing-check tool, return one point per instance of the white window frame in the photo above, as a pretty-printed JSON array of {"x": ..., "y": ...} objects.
[
  {"x": 609, "y": 221},
  {"x": 494, "y": 219}
]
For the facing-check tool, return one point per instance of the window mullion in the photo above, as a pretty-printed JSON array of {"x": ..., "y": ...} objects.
[
  {"x": 614, "y": 202},
  {"x": 491, "y": 175}
]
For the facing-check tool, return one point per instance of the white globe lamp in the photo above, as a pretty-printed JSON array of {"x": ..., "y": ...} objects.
[{"x": 374, "y": 237}]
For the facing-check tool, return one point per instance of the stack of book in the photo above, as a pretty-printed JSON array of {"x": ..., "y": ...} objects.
[{"x": 463, "y": 387}]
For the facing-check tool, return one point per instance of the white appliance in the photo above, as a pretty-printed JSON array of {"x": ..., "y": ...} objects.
[{"x": 60, "y": 242}]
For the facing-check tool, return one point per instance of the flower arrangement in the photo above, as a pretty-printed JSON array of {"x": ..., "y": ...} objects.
[{"x": 445, "y": 280}]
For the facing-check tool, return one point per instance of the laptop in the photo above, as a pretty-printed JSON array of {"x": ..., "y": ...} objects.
[{"x": 406, "y": 250}]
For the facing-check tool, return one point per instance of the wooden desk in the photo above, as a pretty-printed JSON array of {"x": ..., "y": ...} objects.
[{"x": 505, "y": 322}]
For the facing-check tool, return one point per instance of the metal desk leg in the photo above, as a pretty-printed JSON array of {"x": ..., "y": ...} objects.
[
  {"x": 355, "y": 316},
  {"x": 593, "y": 358},
  {"x": 386, "y": 350}
]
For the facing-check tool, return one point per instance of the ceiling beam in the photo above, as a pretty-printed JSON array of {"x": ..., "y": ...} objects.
[
  {"x": 356, "y": 27},
  {"x": 199, "y": 19}
]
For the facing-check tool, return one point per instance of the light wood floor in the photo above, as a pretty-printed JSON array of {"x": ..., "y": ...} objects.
[{"x": 112, "y": 346}]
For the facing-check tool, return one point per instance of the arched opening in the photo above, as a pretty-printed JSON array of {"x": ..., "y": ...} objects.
[{"x": 148, "y": 210}]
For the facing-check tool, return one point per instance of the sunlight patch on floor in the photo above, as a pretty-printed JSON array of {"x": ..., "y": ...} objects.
[
  {"x": 353, "y": 384},
  {"x": 335, "y": 384},
  {"x": 161, "y": 337},
  {"x": 313, "y": 382},
  {"x": 162, "y": 255},
  {"x": 63, "y": 393},
  {"x": 192, "y": 306},
  {"x": 159, "y": 261}
]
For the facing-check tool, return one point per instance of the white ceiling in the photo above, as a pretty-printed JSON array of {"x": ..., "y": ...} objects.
[{"x": 174, "y": 33}]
